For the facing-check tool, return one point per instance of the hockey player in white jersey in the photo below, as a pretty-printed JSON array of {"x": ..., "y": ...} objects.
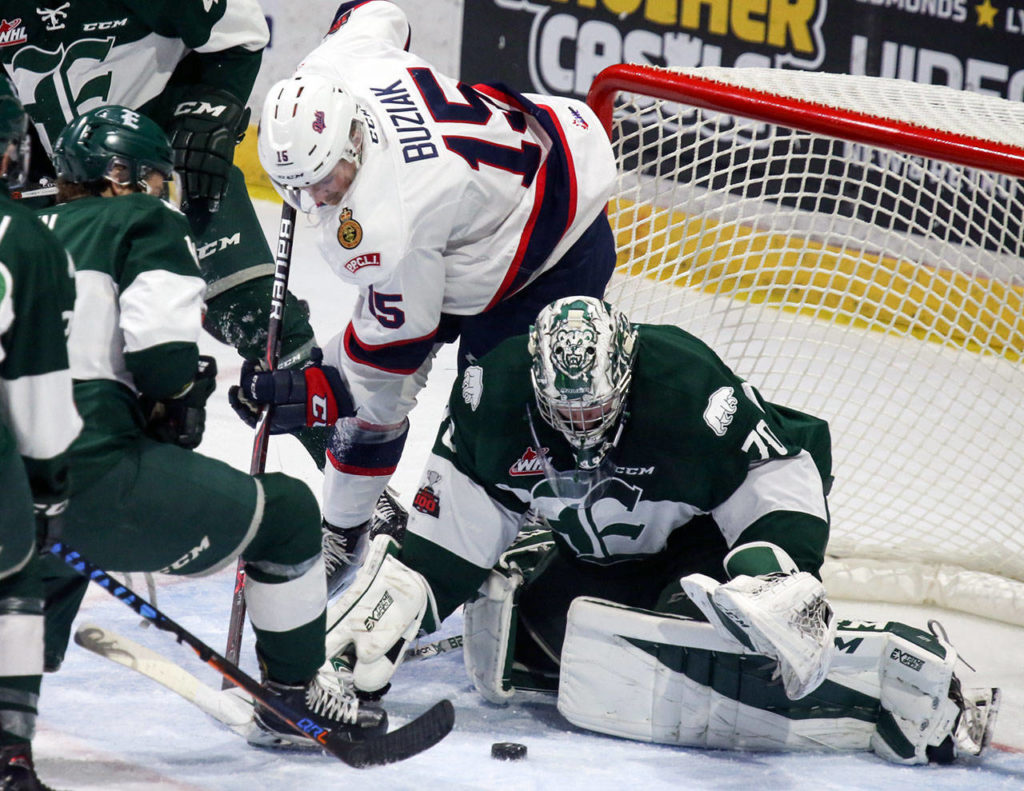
[{"x": 458, "y": 210}]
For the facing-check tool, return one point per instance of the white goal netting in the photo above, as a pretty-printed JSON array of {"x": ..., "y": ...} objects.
[{"x": 853, "y": 246}]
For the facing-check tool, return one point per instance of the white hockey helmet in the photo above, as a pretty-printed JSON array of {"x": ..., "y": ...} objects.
[
  {"x": 583, "y": 352},
  {"x": 308, "y": 125}
]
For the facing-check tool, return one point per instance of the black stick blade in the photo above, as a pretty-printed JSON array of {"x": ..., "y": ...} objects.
[{"x": 411, "y": 739}]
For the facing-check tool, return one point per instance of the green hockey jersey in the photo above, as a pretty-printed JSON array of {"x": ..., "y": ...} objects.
[
  {"x": 697, "y": 440},
  {"x": 37, "y": 294},
  {"x": 137, "y": 315},
  {"x": 68, "y": 58}
]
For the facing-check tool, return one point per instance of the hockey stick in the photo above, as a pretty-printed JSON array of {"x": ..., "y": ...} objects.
[
  {"x": 225, "y": 706},
  {"x": 414, "y": 737},
  {"x": 282, "y": 266},
  {"x": 232, "y": 710}
]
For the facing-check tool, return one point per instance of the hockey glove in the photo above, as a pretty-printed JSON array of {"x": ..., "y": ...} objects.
[
  {"x": 783, "y": 616},
  {"x": 181, "y": 420},
  {"x": 204, "y": 131},
  {"x": 49, "y": 522},
  {"x": 312, "y": 396}
]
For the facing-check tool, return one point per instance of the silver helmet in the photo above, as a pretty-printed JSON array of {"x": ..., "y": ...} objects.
[{"x": 583, "y": 351}]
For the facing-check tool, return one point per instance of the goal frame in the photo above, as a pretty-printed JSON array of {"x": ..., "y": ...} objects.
[{"x": 900, "y": 581}]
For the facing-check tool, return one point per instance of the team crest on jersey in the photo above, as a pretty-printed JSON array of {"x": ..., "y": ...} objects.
[
  {"x": 473, "y": 386},
  {"x": 350, "y": 233},
  {"x": 426, "y": 500},
  {"x": 528, "y": 463},
  {"x": 12, "y": 33},
  {"x": 318, "y": 122},
  {"x": 366, "y": 259},
  {"x": 578, "y": 120},
  {"x": 720, "y": 409}
]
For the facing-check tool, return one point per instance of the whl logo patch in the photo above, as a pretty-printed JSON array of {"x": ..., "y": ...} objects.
[
  {"x": 528, "y": 463},
  {"x": 12, "y": 33}
]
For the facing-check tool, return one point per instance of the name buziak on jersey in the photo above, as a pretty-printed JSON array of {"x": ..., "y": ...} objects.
[{"x": 414, "y": 137}]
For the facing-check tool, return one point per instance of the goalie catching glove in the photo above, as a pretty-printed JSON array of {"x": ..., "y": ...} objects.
[
  {"x": 378, "y": 614},
  {"x": 782, "y": 616},
  {"x": 314, "y": 395},
  {"x": 208, "y": 123}
]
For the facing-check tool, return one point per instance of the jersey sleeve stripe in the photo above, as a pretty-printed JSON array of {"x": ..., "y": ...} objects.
[
  {"x": 401, "y": 357},
  {"x": 554, "y": 207},
  {"x": 42, "y": 414}
]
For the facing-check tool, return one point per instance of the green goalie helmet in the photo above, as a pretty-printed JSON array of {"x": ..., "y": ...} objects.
[
  {"x": 583, "y": 352},
  {"x": 113, "y": 143},
  {"x": 14, "y": 142}
]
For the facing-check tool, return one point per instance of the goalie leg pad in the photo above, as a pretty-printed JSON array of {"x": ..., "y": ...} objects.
[
  {"x": 489, "y": 631},
  {"x": 377, "y": 616},
  {"x": 917, "y": 711},
  {"x": 672, "y": 680}
]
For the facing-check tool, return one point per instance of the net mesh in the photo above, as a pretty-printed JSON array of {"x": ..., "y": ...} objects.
[{"x": 878, "y": 289}]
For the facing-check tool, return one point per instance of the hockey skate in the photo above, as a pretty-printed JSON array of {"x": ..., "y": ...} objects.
[
  {"x": 327, "y": 699},
  {"x": 345, "y": 547},
  {"x": 972, "y": 732},
  {"x": 17, "y": 770}
]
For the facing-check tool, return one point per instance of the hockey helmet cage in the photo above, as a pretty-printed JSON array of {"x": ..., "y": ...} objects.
[
  {"x": 14, "y": 141},
  {"x": 582, "y": 352},
  {"x": 114, "y": 143},
  {"x": 307, "y": 126}
]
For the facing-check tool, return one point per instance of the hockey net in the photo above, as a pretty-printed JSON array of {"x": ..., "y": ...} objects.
[{"x": 854, "y": 247}]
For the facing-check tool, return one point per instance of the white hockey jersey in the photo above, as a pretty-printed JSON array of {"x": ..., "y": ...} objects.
[{"x": 465, "y": 195}]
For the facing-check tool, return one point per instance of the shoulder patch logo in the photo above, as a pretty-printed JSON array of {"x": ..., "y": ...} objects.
[
  {"x": 366, "y": 259},
  {"x": 528, "y": 463},
  {"x": 426, "y": 500},
  {"x": 350, "y": 233},
  {"x": 473, "y": 386},
  {"x": 720, "y": 409}
]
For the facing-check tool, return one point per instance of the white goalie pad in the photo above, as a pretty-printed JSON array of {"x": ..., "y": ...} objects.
[
  {"x": 487, "y": 624},
  {"x": 783, "y": 616},
  {"x": 377, "y": 616},
  {"x": 623, "y": 673},
  {"x": 672, "y": 680}
]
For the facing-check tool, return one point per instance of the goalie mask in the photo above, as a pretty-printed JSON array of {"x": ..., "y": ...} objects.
[
  {"x": 14, "y": 141},
  {"x": 583, "y": 352},
  {"x": 311, "y": 140},
  {"x": 118, "y": 145}
]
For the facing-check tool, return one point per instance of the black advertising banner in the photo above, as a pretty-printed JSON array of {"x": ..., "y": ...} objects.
[{"x": 558, "y": 46}]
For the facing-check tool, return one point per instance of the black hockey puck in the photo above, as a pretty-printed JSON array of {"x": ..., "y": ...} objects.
[{"x": 508, "y": 751}]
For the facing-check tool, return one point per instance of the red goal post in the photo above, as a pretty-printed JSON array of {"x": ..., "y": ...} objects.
[{"x": 855, "y": 247}]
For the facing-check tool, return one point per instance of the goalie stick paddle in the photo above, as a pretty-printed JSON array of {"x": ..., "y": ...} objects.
[
  {"x": 282, "y": 266},
  {"x": 412, "y": 738}
]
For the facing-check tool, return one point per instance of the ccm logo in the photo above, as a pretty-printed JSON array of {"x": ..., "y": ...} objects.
[
  {"x": 367, "y": 259},
  {"x": 200, "y": 108}
]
